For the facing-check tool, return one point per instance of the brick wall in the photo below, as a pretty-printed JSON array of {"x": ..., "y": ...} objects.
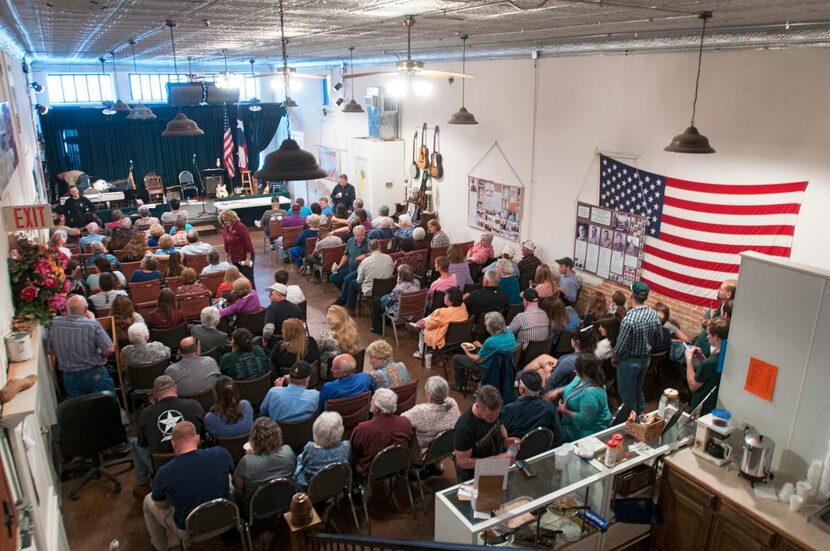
[{"x": 685, "y": 315}]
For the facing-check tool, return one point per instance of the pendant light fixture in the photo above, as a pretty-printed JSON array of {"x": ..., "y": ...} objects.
[
  {"x": 692, "y": 141},
  {"x": 227, "y": 80},
  {"x": 287, "y": 102},
  {"x": 462, "y": 116},
  {"x": 289, "y": 162},
  {"x": 352, "y": 106},
  {"x": 140, "y": 112},
  {"x": 180, "y": 126},
  {"x": 255, "y": 103},
  {"x": 119, "y": 106},
  {"x": 108, "y": 110}
]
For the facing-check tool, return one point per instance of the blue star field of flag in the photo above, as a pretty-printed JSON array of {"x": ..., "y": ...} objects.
[{"x": 629, "y": 189}]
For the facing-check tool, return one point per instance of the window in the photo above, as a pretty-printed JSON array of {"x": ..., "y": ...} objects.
[
  {"x": 93, "y": 88},
  {"x": 152, "y": 87},
  {"x": 71, "y": 150}
]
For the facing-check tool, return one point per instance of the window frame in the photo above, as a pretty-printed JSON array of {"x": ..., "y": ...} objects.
[{"x": 64, "y": 88}]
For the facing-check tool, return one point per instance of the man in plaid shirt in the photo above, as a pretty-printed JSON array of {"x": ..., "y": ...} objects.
[
  {"x": 533, "y": 324},
  {"x": 640, "y": 333}
]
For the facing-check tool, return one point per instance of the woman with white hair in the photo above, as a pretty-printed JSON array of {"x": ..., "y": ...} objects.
[
  {"x": 207, "y": 334},
  {"x": 482, "y": 251},
  {"x": 439, "y": 413},
  {"x": 140, "y": 351},
  {"x": 509, "y": 282},
  {"x": 387, "y": 373},
  {"x": 327, "y": 447},
  {"x": 405, "y": 228},
  {"x": 419, "y": 238}
]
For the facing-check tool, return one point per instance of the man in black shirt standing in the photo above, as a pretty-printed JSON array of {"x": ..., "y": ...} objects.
[
  {"x": 343, "y": 193},
  {"x": 479, "y": 432},
  {"x": 487, "y": 299},
  {"x": 76, "y": 207}
]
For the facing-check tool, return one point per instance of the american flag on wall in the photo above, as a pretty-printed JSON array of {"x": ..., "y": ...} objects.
[
  {"x": 697, "y": 231},
  {"x": 227, "y": 147}
]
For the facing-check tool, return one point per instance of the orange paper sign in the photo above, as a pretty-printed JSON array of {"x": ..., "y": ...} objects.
[{"x": 760, "y": 378}]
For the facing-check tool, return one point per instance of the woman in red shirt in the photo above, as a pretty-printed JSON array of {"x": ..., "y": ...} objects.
[
  {"x": 238, "y": 244},
  {"x": 167, "y": 315}
]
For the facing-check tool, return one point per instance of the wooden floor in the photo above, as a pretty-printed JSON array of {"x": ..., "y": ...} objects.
[{"x": 100, "y": 515}]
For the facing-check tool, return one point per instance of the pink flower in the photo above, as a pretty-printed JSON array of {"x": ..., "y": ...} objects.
[
  {"x": 57, "y": 303},
  {"x": 15, "y": 254},
  {"x": 43, "y": 268},
  {"x": 29, "y": 293},
  {"x": 67, "y": 285},
  {"x": 50, "y": 281},
  {"x": 63, "y": 260},
  {"x": 42, "y": 248}
]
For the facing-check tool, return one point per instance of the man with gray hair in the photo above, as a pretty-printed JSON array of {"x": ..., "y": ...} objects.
[
  {"x": 194, "y": 245},
  {"x": 80, "y": 346},
  {"x": 378, "y": 265},
  {"x": 405, "y": 228},
  {"x": 91, "y": 237},
  {"x": 489, "y": 298},
  {"x": 145, "y": 220},
  {"x": 383, "y": 212},
  {"x": 383, "y": 230},
  {"x": 193, "y": 373},
  {"x": 385, "y": 428},
  {"x": 207, "y": 334},
  {"x": 346, "y": 382}
]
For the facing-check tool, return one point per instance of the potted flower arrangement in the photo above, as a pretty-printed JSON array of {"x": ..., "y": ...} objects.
[{"x": 39, "y": 284}]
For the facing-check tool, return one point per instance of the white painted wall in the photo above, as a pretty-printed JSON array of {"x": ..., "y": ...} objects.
[{"x": 764, "y": 111}]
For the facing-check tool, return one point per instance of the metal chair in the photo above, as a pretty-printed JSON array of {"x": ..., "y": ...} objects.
[
  {"x": 170, "y": 337},
  {"x": 512, "y": 311},
  {"x": 145, "y": 291},
  {"x": 206, "y": 398},
  {"x": 252, "y": 322},
  {"x": 212, "y": 281},
  {"x": 159, "y": 460},
  {"x": 442, "y": 447},
  {"x": 391, "y": 462},
  {"x": 535, "y": 349},
  {"x": 297, "y": 435},
  {"x": 563, "y": 345},
  {"x": 380, "y": 287},
  {"x": 187, "y": 183},
  {"x": 353, "y": 410},
  {"x": 537, "y": 441},
  {"x": 254, "y": 390},
  {"x": 142, "y": 377},
  {"x": 407, "y": 395},
  {"x": 330, "y": 482},
  {"x": 411, "y": 307},
  {"x": 212, "y": 519},
  {"x": 457, "y": 332},
  {"x": 269, "y": 501},
  {"x": 234, "y": 446},
  {"x": 89, "y": 425}
]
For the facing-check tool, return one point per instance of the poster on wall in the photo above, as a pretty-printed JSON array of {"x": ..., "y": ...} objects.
[
  {"x": 360, "y": 174},
  {"x": 609, "y": 243},
  {"x": 8, "y": 147},
  {"x": 494, "y": 207},
  {"x": 330, "y": 162}
]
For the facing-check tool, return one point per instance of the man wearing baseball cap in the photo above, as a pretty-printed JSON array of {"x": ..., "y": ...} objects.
[
  {"x": 530, "y": 410},
  {"x": 528, "y": 264},
  {"x": 640, "y": 333},
  {"x": 533, "y": 324},
  {"x": 568, "y": 282},
  {"x": 278, "y": 311},
  {"x": 290, "y": 401}
]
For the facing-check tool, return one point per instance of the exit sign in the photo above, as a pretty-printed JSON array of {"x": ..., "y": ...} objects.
[{"x": 27, "y": 217}]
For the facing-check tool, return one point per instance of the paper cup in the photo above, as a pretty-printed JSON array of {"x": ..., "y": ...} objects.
[
  {"x": 562, "y": 454},
  {"x": 786, "y": 491},
  {"x": 802, "y": 488},
  {"x": 795, "y": 503}
]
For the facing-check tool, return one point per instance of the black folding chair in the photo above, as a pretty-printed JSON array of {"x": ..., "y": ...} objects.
[
  {"x": 331, "y": 482},
  {"x": 391, "y": 462},
  {"x": 212, "y": 519},
  {"x": 439, "y": 449},
  {"x": 537, "y": 441},
  {"x": 268, "y": 501}
]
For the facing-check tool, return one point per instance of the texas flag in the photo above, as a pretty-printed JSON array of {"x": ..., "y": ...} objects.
[{"x": 241, "y": 146}]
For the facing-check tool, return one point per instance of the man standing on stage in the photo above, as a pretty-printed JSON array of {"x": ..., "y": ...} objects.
[
  {"x": 343, "y": 192},
  {"x": 76, "y": 207}
]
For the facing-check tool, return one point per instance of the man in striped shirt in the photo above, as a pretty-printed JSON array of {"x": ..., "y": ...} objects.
[
  {"x": 81, "y": 346},
  {"x": 532, "y": 324},
  {"x": 640, "y": 333}
]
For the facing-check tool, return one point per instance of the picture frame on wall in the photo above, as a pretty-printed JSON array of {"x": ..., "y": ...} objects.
[
  {"x": 8, "y": 147},
  {"x": 495, "y": 207},
  {"x": 330, "y": 162}
]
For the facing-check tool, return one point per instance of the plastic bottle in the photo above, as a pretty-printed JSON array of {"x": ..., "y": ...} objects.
[
  {"x": 334, "y": 268},
  {"x": 620, "y": 451},
  {"x": 611, "y": 453},
  {"x": 512, "y": 450}
]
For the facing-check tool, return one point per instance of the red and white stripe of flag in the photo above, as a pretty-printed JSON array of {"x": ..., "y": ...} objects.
[{"x": 227, "y": 151}]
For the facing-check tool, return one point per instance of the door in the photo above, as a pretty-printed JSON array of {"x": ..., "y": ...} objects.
[
  {"x": 8, "y": 530},
  {"x": 688, "y": 515},
  {"x": 733, "y": 529}
]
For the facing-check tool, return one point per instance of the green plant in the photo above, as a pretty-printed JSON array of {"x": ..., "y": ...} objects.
[{"x": 39, "y": 284}]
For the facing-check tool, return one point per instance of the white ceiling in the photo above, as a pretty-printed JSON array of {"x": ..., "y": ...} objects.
[{"x": 320, "y": 31}]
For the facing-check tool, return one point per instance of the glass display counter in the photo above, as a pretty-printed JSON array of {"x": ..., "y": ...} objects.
[{"x": 545, "y": 509}]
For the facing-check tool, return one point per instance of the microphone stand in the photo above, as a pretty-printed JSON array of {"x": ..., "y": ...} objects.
[{"x": 202, "y": 188}]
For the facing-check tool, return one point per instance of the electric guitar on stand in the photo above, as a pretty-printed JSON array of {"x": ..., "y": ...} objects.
[
  {"x": 436, "y": 160},
  {"x": 423, "y": 152},
  {"x": 221, "y": 190}
]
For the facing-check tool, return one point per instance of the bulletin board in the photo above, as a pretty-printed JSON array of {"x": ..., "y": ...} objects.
[
  {"x": 495, "y": 207},
  {"x": 609, "y": 243}
]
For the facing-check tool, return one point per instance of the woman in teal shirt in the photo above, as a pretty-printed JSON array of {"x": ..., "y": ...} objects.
[{"x": 584, "y": 403}]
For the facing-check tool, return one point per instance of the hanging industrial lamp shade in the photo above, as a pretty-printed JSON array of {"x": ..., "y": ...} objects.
[
  {"x": 141, "y": 113},
  {"x": 121, "y": 107},
  {"x": 462, "y": 116},
  {"x": 288, "y": 102},
  {"x": 352, "y": 107},
  {"x": 289, "y": 163},
  {"x": 692, "y": 141},
  {"x": 181, "y": 127}
]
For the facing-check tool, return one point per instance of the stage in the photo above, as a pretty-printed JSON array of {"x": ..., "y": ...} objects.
[{"x": 248, "y": 207}]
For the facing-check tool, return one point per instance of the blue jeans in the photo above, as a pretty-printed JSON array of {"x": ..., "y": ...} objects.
[
  {"x": 142, "y": 462},
  {"x": 78, "y": 383},
  {"x": 349, "y": 289},
  {"x": 631, "y": 374},
  {"x": 340, "y": 276},
  {"x": 297, "y": 255}
]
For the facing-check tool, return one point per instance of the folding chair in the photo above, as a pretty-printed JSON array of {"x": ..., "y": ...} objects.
[
  {"x": 268, "y": 502},
  {"x": 212, "y": 519},
  {"x": 411, "y": 307},
  {"x": 329, "y": 257},
  {"x": 457, "y": 332},
  {"x": 380, "y": 287},
  {"x": 439, "y": 449},
  {"x": 353, "y": 410},
  {"x": 537, "y": 441},
  {"x": 329, "y": 483},
  {"x": 407, "y": 394},
  {"x": 392, "y": 462}
]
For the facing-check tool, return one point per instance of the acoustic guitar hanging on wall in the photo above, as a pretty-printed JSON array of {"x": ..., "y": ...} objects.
[
  {"x": 423, "y": 152},
  {"x": 436, "y": 160},
  {"x": 414, "y": 171}
]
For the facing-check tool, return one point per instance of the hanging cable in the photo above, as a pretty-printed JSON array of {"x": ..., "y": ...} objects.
[
  {"x": 285, "y": 68},
  {"x": 705, "y": 16}
]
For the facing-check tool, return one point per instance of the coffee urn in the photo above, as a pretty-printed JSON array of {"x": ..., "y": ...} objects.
[{"x": 756, "y": 455}]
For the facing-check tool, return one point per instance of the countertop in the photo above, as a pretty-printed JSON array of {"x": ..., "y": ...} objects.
[{"x": 725, "y": 482}]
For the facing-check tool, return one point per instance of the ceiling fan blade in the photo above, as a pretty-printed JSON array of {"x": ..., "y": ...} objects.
[
  {"x": 374, "y": 73},
  {"x": 291, "y": 75},
  {"x": 433, "y": 73}
]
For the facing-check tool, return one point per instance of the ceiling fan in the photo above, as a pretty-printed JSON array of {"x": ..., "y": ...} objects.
[
  {"x": 292, "y": 73},
  {"x": 410, "y": 67}
]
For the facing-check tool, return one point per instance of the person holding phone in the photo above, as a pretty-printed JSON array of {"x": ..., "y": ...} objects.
[
  {"x": 701, "y": 372},
  {"x": 343, "y": 193}
]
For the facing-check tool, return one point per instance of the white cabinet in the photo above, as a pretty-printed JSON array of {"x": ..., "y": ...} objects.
[{"x": 377, "y": 169}]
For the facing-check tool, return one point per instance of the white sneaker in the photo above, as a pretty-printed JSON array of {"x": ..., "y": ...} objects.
[
  {"x": 428, "y": 361},
  {"x": 417, "y": 354}
]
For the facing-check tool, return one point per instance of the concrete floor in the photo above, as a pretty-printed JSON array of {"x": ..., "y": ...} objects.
[{"x": 100, "y": 515}]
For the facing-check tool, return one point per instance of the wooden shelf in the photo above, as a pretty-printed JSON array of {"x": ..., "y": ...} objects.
[{"x": 25, "y": 402}]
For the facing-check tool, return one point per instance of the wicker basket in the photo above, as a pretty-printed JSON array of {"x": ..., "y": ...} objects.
[{"x": 645, "y": 432}]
